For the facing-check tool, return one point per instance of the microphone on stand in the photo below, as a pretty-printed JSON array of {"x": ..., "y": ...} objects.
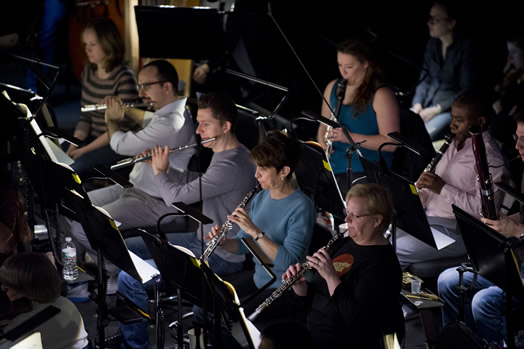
[{"x": 340, "y": 92}]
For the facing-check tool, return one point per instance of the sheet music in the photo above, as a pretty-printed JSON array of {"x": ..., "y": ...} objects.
[
  {"x": 60, "y": 155},
  {"x": 145, "y": 270},
  {"x": 441, "y": 239},
  {"x": 34, "y": 341}
]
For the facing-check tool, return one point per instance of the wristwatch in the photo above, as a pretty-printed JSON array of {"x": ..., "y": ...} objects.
[{"x": 260, "y": 236}]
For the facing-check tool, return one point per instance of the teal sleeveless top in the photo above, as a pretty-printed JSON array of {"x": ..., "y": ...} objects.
[{"x": 366, "y": 124}]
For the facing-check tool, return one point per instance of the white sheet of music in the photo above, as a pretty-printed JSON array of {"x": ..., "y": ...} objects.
[
  {"x": 145, "y": 270},
  {"x": 441, "y": 239},
  {"x": 34, "y": 341},
  {"x": 60, "y": 155}
]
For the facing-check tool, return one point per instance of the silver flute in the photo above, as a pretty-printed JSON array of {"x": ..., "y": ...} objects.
[
  {"x": 96, "y": 107},
  {"x": 288, "y": 282},
  {"x": 225, "y": 228},
  {"x": 139, "y": 158}
]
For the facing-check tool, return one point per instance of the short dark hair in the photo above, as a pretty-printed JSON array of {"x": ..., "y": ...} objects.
[
  {"x": 475, "y": 103},
  {"x": 519, "y": 116},
  {"x": 277, "y": 150},
  {"x": 224, "y": 109},
  {"x": 110, "y": 41},
  {"x": 31, "y": 274},
  {"x": 165, "y": 71}
]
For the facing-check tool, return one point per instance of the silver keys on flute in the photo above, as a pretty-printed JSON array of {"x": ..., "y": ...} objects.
[
  {"x": 98, "y": 107},
  {"x": 138, "y": 158}
]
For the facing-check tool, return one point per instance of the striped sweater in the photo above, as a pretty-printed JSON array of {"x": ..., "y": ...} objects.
[{"x": 121, "y": 82}]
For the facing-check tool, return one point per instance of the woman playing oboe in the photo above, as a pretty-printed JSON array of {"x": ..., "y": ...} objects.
[
  {"x": 281, "y": 217},
  {"x": 353, "y": 299}
]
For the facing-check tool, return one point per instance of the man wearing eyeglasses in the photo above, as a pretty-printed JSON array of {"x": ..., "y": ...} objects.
[
  {"x": 170, "y": 125},
  {"x": 486, "y": 312}
]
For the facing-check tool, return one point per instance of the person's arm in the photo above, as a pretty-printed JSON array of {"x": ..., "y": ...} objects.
[
  {"x": 131, "y": 143},
  {"x": 216, "y": 181},
  {"x": 388, "y": 119},
  {"x": 425, "y": 78},
  {"x": 325, "y": 112},
  {"x": 507, "y": 226}
]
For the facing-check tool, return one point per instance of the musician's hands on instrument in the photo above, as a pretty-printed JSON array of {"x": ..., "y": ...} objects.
[
  {"x": 505, "y": 225},
  {"x": 115, "y": 109},
  {"x": 430, "y": 181},
  {"x": 241, "y": 217},
  {"x": 300, "y": 286},
  {"x": 336, "y": 135},
  {"x": 160, "y": 159},
  {"x": 214, "y": 232}
]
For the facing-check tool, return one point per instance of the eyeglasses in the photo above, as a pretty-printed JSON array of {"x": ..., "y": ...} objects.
[
  {"x": 353, "y": 217},
  {"x": 518, "y": 139},
  {"x": 145, "y": 85},
  {"x": 435, "y": 20}
]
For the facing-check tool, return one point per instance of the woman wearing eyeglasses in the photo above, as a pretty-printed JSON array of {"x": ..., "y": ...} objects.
[
  {"x": 353, "y": 299},
  {"x": 448, "y": 70},
  {"x": 105, "y": 74}
]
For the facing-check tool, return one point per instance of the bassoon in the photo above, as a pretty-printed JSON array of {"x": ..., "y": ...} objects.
[{"x": 489, "y": 209}]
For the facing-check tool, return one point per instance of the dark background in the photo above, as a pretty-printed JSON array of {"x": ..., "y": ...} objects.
[{"x": 397, "y": 29}]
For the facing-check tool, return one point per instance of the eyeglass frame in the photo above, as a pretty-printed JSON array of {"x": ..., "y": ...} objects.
[
  {"x": 352, "y": 216},
  {"x": 518, "y": 139},
  {"x": 145, "y": 85}
]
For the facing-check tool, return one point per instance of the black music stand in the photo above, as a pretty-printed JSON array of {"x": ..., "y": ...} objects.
[
  {"x": 316, "y": 180},
  {"x": 199, "y": 284},
  {"x": 103, "y": 236},
  {"x": 409, "y": 214},
  {"x": 494, "y": 257}
]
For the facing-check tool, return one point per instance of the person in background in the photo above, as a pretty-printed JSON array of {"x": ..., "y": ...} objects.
[
  {"x": 448, "y": 70},
  {"x": 105, "y": 74},
  {"x": 31, "y": 282}
]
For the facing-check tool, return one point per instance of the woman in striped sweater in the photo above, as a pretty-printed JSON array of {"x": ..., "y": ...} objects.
[{"x": 105, "y": 74}]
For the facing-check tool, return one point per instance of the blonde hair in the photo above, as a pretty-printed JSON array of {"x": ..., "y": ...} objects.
[{"x": 377, "y": 201}]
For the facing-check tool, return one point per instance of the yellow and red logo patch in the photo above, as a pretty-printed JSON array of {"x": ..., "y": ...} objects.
[{"x": 343, "y": 263}]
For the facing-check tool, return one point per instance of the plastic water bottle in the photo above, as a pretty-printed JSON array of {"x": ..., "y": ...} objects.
[{"x": 69, "y": 257}]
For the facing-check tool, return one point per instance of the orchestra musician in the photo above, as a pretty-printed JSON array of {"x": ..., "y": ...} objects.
[
  {"x": 453, "y": 182},
  {"x": 228, "y": 178},
  {"x": 171, "y": 124},
  {"x": 280, "y": 221},
  {"x": 486, "y": 313},
  {"x": 369, "y": 110},
  {"x": 104, "y": 75},
  {"x": 353, "y": 299}
]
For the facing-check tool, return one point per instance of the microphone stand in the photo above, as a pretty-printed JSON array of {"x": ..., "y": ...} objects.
[
  {"x": 258, "y": 117},
  {"x": 354, "y": 147}
]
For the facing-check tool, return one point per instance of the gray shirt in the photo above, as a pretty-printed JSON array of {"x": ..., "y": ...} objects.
[{"x": 229, "y": 177}]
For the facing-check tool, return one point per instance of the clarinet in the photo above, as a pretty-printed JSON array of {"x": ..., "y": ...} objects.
[
  {"x": 225, "y": 228},
  {"x": 489, "y": 209},
  {"x": 433, "y": 163},
  {"x": 288, "y": 283}
]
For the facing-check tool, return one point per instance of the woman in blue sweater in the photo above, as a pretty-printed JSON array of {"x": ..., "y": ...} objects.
[{"x": 280, "y": 220}]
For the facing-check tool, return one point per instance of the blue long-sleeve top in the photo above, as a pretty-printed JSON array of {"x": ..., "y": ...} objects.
[
  {"x": 443, "y": 79},
  {"x": 288, "y": 222}
]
